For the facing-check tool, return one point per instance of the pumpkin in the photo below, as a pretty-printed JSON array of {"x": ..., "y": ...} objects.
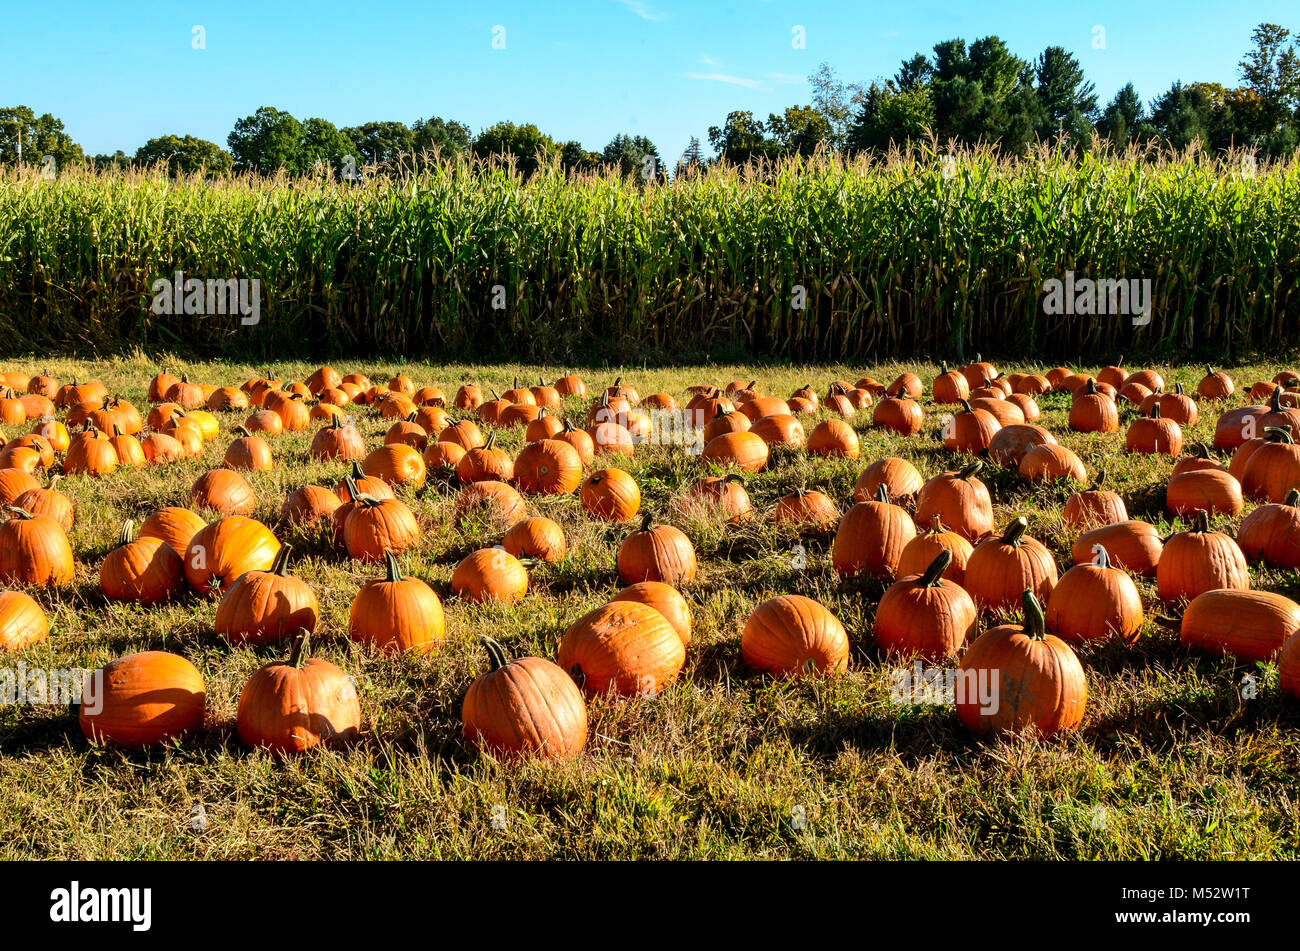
[
  {"x": 656, "y": 553},
  {"x": 548, "y": 467},
  {"x": 898, "y": 476},
  {"x": 1093, "y": 412},
  {"x": 1250, "y": 625},
  {"x": 142, "y": 700},
  {"x": 1003, "y": 566},
  {"x": 1094, "y": 602},
  {"x": 537, "y": 537},
  {"x": 806, "y": 507},
  {"x": 26, "y": 458},
  {"x": 1094, "y": 507},
  {"x": 794, "y": 636},
  {"x": 48, "y": 501},
  {"x": 1006, "y": 413},
  {"x": 833, "y": 438},
  {"x": 144, "y": 570},
  {"x": 570, "y": 385},
  {"x": 1114, "y": 375},
  {"x": 175, "y": 526},
  {"x": 519, "y": 414},
  {"x": 396, "y": 613},
  {"x": 970, "y": 430},
  {"x": 378, "y": 525},
  {"x": 22, "y": 621},
  {"x": 926, "y": 614},
  {"x": 160, "y": 448},
  {"x": 1200, "y": 560},
  {"x": 44, "y": 384},
  {"x": 1273, "y": 469},
  {"x": 960, "y": 499},
  {"x": 624, "y": 648},
  {"x": 921, "y": 551},
  {"x": 871, "y": 537},
  {"x": 1213, "y": 491},
  {"x": 524, "y": 708},
  {"x": 1198, "y": 458},
  {"x": 441, "y": 458},
  {"x": 761, "y": 406},
  {"x": 1050, "y": 462},
  {"x": 1027, "y": 405},
  {"x": 1236, "y": 426},
  {"x": 580, "y": 440},
  {"x": 128, "y": 448},
  {"x": 543, "y": 427},
  {"x": 744, "y": 450},
  {"x": 665, "y": 599},
  {"x": 323, "y": 378},
  {"x": 1154, "y": 435},
  {"x": 1032, "y": 384},
  {"x": 950, "y": 387},
  {"x": 898, "y": 415},
  {"x": 264, "y": 421},
  {"x": 720, "y": 496},
  {"x": 265, "y": 606},
  {"x": 222, "y": 551},
  {"x": 1288, "y": 668},
  {"x": 490, "y": 574},
  {"x": 364, "y": 485},
  {"x": 337, "y": 440},
  {"x": 978, "y": 371},
  {"x": 1271, "y": 533},
  {"x": 780, "y": 429},
  {"x": 34, "y": 550},
  {"x": 54, "y": 433},
  {"x": 485, "y": 463},
  {"x": 1035, "y": 679},
  {"x": 1131, "y": 545},
  {"x": 548, "y": 397},
  {"x": 224, "y": 491},
  {"x": 188, "y": 395},
  {"x": 500, "y": 503},
  {"x": 1284, "y": 418},
  {"x": 249, "y": 452},
  {"x": 464, "y": 434},
  {"x": 15, "y": 483},
  {"x": 42, "y": 446},
  {"x": 396, "y": 465},
  {"x": 92, "y": 456},
  {"x": 612, "y": 495}
]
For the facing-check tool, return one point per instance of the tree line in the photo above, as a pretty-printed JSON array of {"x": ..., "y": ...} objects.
[{"x": 958, "y": 93}]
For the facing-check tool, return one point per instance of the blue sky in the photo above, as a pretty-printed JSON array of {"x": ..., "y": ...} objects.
[{"x": 119, "y": 74}]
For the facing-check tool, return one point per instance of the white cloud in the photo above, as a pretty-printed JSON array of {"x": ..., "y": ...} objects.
[
  {"x": 709, "y": 61},
  {"x": 726, "y": 78},
  {"x": 643, "y": 10}
]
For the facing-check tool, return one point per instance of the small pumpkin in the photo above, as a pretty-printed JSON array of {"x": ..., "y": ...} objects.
[
  {"x": 871, "y": 537},
  {"x": 537, "y": 537},
  {"x": 926, "y": 614},
  {"x": 1094, "y": 602},
  {"x": 1094, "y": 507},
  {"x": 1003, "y": 566},
  {"x": 611, "y": 495},
  {"x": 920, "y": 552},
  {"x": 656, "y": 553},
  {"x": 378, "y": 525},
  {"x": 624, "y": 648},
  {"x": 397, "y": 613},
  {"x": 337, "y": 440},
  {"x": 142, "y": 569},
  {"x": 1200, "y": 560},
  {"x": 22, "y": 621},
  {"x": 1271, "y": 533},
  {"x": 490, "y": 574}
]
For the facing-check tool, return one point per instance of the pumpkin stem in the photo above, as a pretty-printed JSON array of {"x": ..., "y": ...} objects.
[
  {"x": 735, "y": 478},
  {"x": 1014, "y": 535},
  {"x": 496, "y": 653},
  {"x": 281, "y": 564},
  {"x": 393, "y": 571},
  {"x": 965, "y": 406},
  {"x": 1199, "y": 451},
  {"x": 1209, "y": 370},
  {"x": 243, "y": 431},
  {"x": 1275, "y": 400},
  {"x": 1035, "y": 624},
  {"x": 350, "y": 486},
  {"x": 1292, "y": 498},
  {"x": 1155, "y": 410},
  {"x": 1096, "y": 483},
  {"x": 752, "y": 384},
  {"x": 357, "y": 472},
  {"x": 1278, "y": 434},
  {"x": 647, "y": 521},
  {"x": 128, "y": 533},
  {"x": 1092, "y": 387},
  {"x": 935, "y": 571},
  {"x": 1201, "y": 521},
  {"x": 882, "y": 493},
  {"x": 17, "y": 512},
  {"x": 936, "y": 524},
  {"x": 299, "y": 648},
  {"x": 1100, "y": 557},
  {"x": 970, "y": 469}
]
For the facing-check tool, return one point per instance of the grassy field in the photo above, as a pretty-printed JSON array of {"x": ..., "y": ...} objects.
[{"x": 1171, "y": 761}]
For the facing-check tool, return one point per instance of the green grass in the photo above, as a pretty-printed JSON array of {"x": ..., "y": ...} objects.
[
  {"x": 1170, "y": 762},
  {"x": 892, "y": 259}
]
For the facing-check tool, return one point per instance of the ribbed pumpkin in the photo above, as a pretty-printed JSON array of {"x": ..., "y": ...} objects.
[
  {"x": 48, "y": 501},
  {"x": 1094, "y": 507},
  {"x": 806, "y": 507},
  {"x": 396, "y": 613},
  {"x": 1251, "y": 625},
  {"x": 490, "y": 574},
  {"x": 950, "y": 387},
  {"x": 1050, "y": 462},
  {"x": 144, "y": 570},
  {"x": 1273, "y": 469},
  {"x": 308, "y": 506},
  {"x": 960, "y": 499},
  {"x": 548, "y": 467},
  {"x": 537, "y": 537},
  {"x": 1131, "y": 545},
  {"x": 93, "y": 455},
  {"x": 441, "y": 459},
  {"x": 497, "y": 502},
  {"x": 396, "y": 465},
  {"x": 1003, "y": 566},
  {"x": 378, "y": 525},
  {"x": 337, "y": 440},
  {"x": 744, "y": 450},
  {"x": 543, "y": 427},
  {"x": 794, "y": 636},
  {"x": 1154, "y": 435},
  {"x": 921, "y": 551},
  {"x": 142, "y": 700},
  {"x": 224, "y": 491},
  {"x": 1094, "y": 602},
  {"x": 249, "y": 452},
  {"x": 1200, "y": 560},
  {"x": 1093, "y": 412},
  {"x": 725, "y": 496},
  {"x": 624, "y": 648},
  {"x": 970, "y": 430},
  {"x": 779, "y": 430},
  {"x": 656, "y": 553},
  {"x": 665, "y": 599},
  {"x": 1209, "y": 490},
  {"x": 833, "y": 438},
  {"x": 899, "y": 476},
  {"x": 294, "y": 705},
  {"x": 898, "y": 415},
  {"x": 871, "y": 537},
  {"x": 926, "y": 614},
  {"x": 14, "y": 483},
  {"x": 262, "y": 607},
  {"x": 611, "y": 495},
  {"x": 1035, "y": 679},
  {"x": 1271, "y": 533},
  {"x": 22, "y": 621},
  {"x": 527, "y": 707},
  {"x": 160, "y": 448},
  {"x": 222, "y": 551},
  {"x": 34, "y": 550}
]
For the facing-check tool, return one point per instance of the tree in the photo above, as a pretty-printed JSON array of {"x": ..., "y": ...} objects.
[
  {"x": 692, "y": 160},
  {"x": 1272, "y": 70},
  {"x": 890, "y": 115},
  {"x": 323, "y": 143},
  {"x": 800, "y": 129},
  {"x": 185, "y": 155},
  {"x": 39, "y": 136},
  {"x": 575, "y": 158},
  {"x": 380, "y": 143},
  {"x": 741, "y": 139},
  {"x": 1177, "y": 118},
  {"x": 1122, "y": 117},
  {"x": 1069, "y": 101},
  {"x": 636, "y": 156},
  {"x": 267, "y": 141},
  {"x": 835, "y": 102},
  {"x": 440, "y": 137},
  {"x": 528, "y": 144}
]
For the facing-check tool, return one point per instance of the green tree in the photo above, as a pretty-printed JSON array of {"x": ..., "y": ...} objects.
[
  {"x": 800, "y": 129},
  {"x": 437, "y": 136},
  {"x": 890, "y": 115},
  {"x": 575, "y": 158},
  {"x": 380, "y": 143},
  {"x": 1069, "y": 100},
  {"x": 1272, "y": 70},
  {"x": 835, "y": 101},
  {"x": 1122, "y": 117},
  {"x": 634, "y": 155},
  {"x": 185, "y": 155},
  {"x": 322, "y": 143},
  {"x": 39, "y": 136},
  {"x": 267, "y": 141},
  {"x": 1179, "y": 116},
  {"x": 741, "y": 139},
  {"x": 528, "y": 144}
]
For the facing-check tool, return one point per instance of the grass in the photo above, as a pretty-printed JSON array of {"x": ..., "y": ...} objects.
[
  {"x": 886, "y": 258},
  {"x": 1171, "y": 761}
]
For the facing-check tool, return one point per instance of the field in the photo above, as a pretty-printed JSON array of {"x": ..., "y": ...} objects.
[
  {"x": 820, "y": 260},
  {"x": 1171, "y": 760}
]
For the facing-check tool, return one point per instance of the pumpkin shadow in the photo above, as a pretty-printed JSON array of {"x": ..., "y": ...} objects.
[
  {"x": 914, "y": 735},
  {"x": 42, "y": 735}
]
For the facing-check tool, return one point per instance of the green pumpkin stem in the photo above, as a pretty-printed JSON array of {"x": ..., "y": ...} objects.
[
  {"x": 882, "y": 493},
  {"x": 1292, "y": 498},
  {"x": 299, "y": 651},
  {"x": 647, "y": 522},
  {"x": 281, "y": 564},
  {"x": 1035, "y": 624},
  {"x": 128, "y": 533},
  {"x": 1278, "y": 434},
  {"x": 17, "y": 512},
  {"x": 1100, "y": 557},
  {"x": 393, "y": 571},
  {"x": 970, "y": 469},
  {"x": 496, "y": 653},
  {"x": 1014, "y": 535},
  {"x": 934, "y": 573}
]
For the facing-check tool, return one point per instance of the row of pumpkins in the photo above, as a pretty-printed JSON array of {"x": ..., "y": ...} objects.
[{"x": 935, "y": 535}]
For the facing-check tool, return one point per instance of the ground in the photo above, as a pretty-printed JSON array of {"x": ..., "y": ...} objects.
[{"x": 1171, "y": 761}]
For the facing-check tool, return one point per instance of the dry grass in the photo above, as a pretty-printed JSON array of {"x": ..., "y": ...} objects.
[{"x": 1171, "y": 761}]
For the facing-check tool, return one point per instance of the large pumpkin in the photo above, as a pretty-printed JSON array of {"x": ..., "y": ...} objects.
[
  {"x": 1250, "y": 625},
  {"x": 142, "y": 699},
  {"x": 926, "y": 614},
  {"x": 293, "y": 705},
  {"x": 656, "y": 553},
  {"x": 222, "y": 551},
  {"x": 34, "y": 550},
  {"x": 1094, "y": 602},
  {"x": 143, "y": 569},
  {"x": 397, "y": 613},
  {"x": 794, "y": 636},
  {"x": 524, "y": 707},
  {"x": 871, "y": 537},
  {"x": 490, "y": 574},
  {"x": 624, "y": 647},
  {"x": 1003, "y": 566},
  {"x": 22, "y": 621},
  {"x": 1200, "y": 560},
  {"x": 960, "y": 500},
  {"x": 265, "y": 606}
]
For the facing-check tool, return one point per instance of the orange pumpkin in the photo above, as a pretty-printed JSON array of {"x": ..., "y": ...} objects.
[
  {"x": 396, "y": 613},
  {"x": 262, "y": 607},
  {"x": 624, "y": 648},
  {"x": 794, "y": 636},
  {"x": 525, "y": 707},
  {"x": 144, "y": 570},
  {"x": 142, "y": 700},
  {"x": 490, "y": 574}
]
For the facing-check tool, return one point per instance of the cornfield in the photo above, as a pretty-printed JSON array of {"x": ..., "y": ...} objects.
[{"x": 815, "y": 259}]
